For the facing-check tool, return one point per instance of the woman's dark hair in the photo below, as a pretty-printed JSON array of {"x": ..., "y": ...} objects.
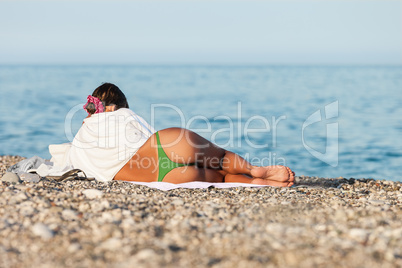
[{"x": 109, "y": 94}]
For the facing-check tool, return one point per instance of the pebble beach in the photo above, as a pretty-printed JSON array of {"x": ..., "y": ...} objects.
[{"x": 319, "y": 222}]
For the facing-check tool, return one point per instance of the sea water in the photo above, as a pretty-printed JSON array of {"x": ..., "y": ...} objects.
[{"x": 320, "y": 121}]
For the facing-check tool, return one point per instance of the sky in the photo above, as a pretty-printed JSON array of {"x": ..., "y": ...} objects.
[{"x": 201, "y": 32}]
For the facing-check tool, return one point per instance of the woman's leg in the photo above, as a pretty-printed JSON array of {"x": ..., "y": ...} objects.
[
  {"x": 184, "y": 146},
  {"x": 245, "y": 179},
  {"x": 214, "y": 164},
  {"x": 191, "y": 173}
]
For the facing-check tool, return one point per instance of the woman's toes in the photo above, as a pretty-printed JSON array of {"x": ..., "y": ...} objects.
[{"x": 291, "y": 173}]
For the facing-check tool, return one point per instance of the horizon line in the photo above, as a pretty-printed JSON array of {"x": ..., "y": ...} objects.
[{"x": 162, "y": 64}]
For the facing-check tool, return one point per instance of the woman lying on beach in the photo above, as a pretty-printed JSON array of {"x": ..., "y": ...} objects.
[{"x": 114, "y": 143}]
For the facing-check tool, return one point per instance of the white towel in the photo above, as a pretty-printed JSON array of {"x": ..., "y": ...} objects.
[{"x": 102, "y": 146}]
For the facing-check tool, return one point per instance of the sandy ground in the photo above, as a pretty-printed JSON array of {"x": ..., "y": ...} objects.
[{"x": 318, "y": 223}]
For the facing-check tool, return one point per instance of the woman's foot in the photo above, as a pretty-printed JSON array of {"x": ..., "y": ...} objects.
[{"x": 274, "y": 175}]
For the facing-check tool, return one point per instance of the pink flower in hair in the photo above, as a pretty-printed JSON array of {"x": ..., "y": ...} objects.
[{"x": 95, "y": 103}]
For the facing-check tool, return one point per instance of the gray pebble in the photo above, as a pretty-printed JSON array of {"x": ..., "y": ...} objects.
[
  {"x": 10, "y": 177},
  {"x": 29, "y": 177}
]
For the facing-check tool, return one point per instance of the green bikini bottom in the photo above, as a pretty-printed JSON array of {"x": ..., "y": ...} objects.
[{"x": 164, "y": 163}]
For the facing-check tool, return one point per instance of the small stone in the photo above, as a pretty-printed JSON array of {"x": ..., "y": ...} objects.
[
  {"x": 11, "y": 177},
  {"x": 340, "y": 215},
  {"x": 42, "y": 230},
  {"x": 112, "y": 244},
  {"x": 69, "y": 214},
  {"x": 274, "y": 228},
  {"x": 377, "y": 202},
  {"x": 145, "y": 254},
  {"x": 177, "y": 202},
  {"x": 18, "y": 198},
  {"x": 92, "y": 193},
  {"x": 273, "y": 200},
  {"x": 56, "y": 209},
  {"x": 74, "y": 247},
  {"x": 107, "y": 217},
  {"x": 291, "y": 258},
  {"x": 29, "y": 177},
  {"x": 358, "y": 234},
  {"x": 27, "y": 211},
  {"x": 389, "y": 256}
]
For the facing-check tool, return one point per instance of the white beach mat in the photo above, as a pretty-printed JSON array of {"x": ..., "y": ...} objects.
[{"x": 165, "y": 186}]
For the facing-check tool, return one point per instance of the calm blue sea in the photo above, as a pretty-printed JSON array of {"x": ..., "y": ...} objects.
[{"x": 320, "y": 121}]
